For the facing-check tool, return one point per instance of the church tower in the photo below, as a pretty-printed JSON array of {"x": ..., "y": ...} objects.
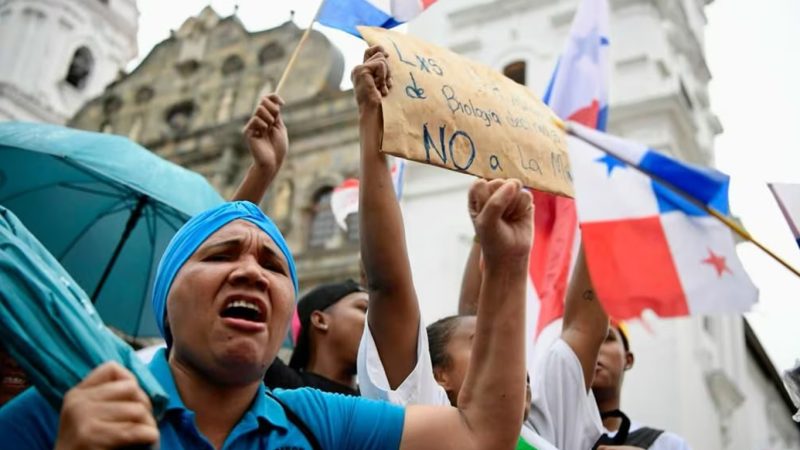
[{"x": 57, "y": 54}]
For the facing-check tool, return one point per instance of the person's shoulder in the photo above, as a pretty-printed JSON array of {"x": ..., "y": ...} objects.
[
  {"x": 310, "y": 396},
  {"x": 307, "y": 400},
  {"x": 667, "y": 440},
  {"x": 310, "y": 401},
  {"x": 562, "y": 350},
  {"x": 28, "y": 421},
  {"x": 29, "y": 403},
  {"x": 561, "y": 361},
  {"x": 279, "y": 375},
  {"x": 344, "y": 421},
  {"x": 670, "y": 441}
]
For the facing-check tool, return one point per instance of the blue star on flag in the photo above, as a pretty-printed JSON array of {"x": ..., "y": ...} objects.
[
  {"x": 589, "y": 45},
  {"x": 611, "y": 163}
]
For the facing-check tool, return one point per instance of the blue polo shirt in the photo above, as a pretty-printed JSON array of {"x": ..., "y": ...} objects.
[{"x": 337, "y": 421}]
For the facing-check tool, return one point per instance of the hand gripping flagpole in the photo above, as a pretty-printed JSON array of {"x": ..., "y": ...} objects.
[
  {"x": 296, "y": 52},
  {"x": 727, "y": 221}
]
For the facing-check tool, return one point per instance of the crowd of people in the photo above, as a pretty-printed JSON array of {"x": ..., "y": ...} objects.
[{"x": 365, "y": 372}]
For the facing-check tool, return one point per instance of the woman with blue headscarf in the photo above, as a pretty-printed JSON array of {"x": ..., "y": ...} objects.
[{"x": 223, "y": 296}]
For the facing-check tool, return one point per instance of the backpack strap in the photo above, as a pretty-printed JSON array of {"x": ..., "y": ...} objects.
[
  {"x": 298, "y": 422},
  {"x": 622, "y": 433},
  {"x": 643, "y": 437}
]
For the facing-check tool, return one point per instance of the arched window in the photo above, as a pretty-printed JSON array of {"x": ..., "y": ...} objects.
[
  {"x": 269, "y": 53},
  {"x": 112, "y": 104},
  {"x": 515, "y": 71},
  {"x": 80, "y": 68},
  {"x": 179, "y": 116},
  {"x": 323, "y": 224},
  {"x": 144, "y": 94},
  {"x": 232, "y": 64}
]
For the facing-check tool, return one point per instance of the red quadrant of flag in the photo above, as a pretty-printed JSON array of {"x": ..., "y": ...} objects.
[
  {"x": 632, "y": 268},
  {"x": 555, "y": 222}
]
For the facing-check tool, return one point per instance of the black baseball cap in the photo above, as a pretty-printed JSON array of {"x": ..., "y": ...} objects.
[{"x": 318, "y": 299}]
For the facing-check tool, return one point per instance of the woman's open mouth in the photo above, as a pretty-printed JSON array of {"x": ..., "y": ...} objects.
[{"x": 245, "y": 313}]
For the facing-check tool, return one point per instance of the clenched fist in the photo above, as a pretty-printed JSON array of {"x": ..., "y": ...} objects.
[
  {"x": 266, "y": 135},
  {"x": 372, "y": 79},
  {"x": 106, "y": 410},
  {"x": 502, "y": 214}
]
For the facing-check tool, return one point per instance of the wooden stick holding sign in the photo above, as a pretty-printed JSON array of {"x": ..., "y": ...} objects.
[{"x": 448, "y": 111}]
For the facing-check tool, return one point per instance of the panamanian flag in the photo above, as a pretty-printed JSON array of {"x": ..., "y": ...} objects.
[
  {"x": 578, "y": 91},
  {"x": 788, "y": 198},
  {"x": 346, "y": 15},
  {"x": 646, "y": 246}
]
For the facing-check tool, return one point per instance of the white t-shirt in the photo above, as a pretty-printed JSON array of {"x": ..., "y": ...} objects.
[
  {"x": 577, "y": 420},
  {"x": 666, "y": 441},
  {"x": 563, "y": 412},
  {"x": 419, "y": 388}
]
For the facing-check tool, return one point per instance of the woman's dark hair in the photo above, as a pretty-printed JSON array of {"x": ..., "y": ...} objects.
[{"x": 439, "y": 334}]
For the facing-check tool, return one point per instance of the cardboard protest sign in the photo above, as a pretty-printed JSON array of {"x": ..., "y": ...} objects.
[{"x": 448, "y": 111}]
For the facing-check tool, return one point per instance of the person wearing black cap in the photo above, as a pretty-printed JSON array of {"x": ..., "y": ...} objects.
[{"x": 331, "y": 322}]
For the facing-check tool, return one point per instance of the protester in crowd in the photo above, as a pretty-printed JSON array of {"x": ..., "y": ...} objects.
[
  {"x": 223, "y": 297},
  {"x": 614, "y": 360},
  {"x": 394, "y": 359},
  {"x": 332, "y": 318}
]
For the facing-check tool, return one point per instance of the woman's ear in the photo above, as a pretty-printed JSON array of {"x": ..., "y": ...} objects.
[{"x": 320, "y": 320}]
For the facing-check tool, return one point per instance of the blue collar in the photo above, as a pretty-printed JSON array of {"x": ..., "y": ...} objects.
[{"x": 264, "y": 409}]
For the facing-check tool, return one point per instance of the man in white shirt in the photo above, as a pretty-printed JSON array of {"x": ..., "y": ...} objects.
[{"x": 614, "y": 360}]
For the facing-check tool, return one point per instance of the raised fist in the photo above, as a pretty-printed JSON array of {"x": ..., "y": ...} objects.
[
  {"x": 266, "y": 135},
  {"x": 502, "y": 213},
  {"x": 372, "y": 79}
]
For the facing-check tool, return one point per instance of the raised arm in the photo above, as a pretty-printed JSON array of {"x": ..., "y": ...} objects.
[
  {"x": 491, "y": 402},
  {"x": 393, "y": 315},
  {"x": 268, "y": 141},
  {"x": 471, "y": 281},
  {"x": 585, "y": 322}
]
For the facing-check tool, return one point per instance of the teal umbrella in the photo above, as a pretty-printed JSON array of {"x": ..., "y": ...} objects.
[
  {"x": 104, "y": 206},
  {"x": 48, "y": 324}
]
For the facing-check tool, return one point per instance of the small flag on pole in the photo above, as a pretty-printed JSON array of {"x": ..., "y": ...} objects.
[
  {"x": 647, "y": 247},
  {"x": 344, "y": 200},
  {"x": 788, "y": 198},
  {"x": 346, "y": 15}
]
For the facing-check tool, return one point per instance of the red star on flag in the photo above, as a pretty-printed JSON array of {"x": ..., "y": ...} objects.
[{"x": 718, "y": 262}]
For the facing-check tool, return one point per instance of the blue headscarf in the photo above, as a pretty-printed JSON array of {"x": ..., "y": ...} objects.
[{"x": 194, "y": 232}]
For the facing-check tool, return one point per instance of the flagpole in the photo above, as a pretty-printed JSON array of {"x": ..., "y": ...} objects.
[
  {"x": 296, "y": 52},
  {"x": 711, "y": 211}
]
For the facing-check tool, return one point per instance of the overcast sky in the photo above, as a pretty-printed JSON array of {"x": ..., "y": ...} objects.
[{"x": 752, "y": 51}]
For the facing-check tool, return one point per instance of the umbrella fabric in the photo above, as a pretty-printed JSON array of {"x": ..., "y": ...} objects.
[
  {"x": 77, "y": 191},
  {"x": 48, "y": 324}
]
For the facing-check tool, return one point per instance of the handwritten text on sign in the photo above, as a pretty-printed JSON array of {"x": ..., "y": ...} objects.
[{"x": 446, "y": 110}]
